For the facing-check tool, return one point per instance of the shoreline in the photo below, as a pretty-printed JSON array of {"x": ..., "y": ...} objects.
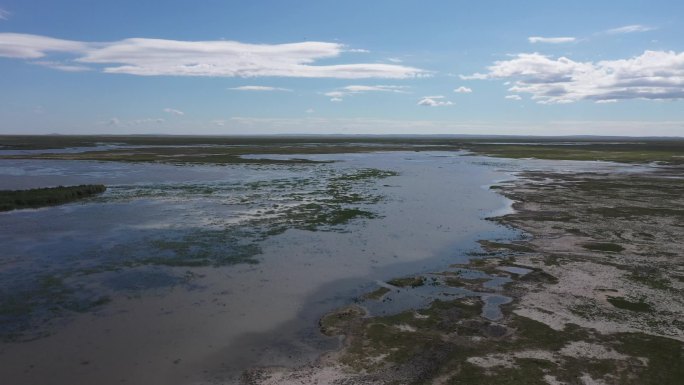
[{"x": 583, "y": 303}]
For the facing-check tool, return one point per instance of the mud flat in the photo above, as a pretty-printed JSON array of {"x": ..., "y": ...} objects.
[{"x": 596, "y": 291}]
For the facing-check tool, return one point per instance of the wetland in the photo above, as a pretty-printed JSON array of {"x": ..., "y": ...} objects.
[{"x": 344, "y": 260}]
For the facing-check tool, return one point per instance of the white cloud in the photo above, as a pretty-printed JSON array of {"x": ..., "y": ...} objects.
[
  {"x": 174, "y": 111},
  {"x": 651, "y": 75},
  {"x": 310, "y": 111},
  {"x": 551, "y": 40},
  {"x": 336, "y": 100},
  {"x": 218, "y": 122},
  {"x": 394, "y": 59},
  {"x": 629, "y": 29},
  {"x": 21, "y": 46},
  {"x": 513, "y": 97},
  {"x": 4, "y": 15},
  {"x": 218, "y": 58},
  {"x": 434, "y": 101},
  {"x": 259, "y": 88},
  {"x": 463, "y": 90},
  {"x": 335, "y": 94}
]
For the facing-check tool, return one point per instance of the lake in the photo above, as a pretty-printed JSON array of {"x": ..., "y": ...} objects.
[{"x": 188, "y": 274}]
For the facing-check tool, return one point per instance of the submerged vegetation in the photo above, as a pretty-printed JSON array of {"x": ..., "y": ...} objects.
[
  {"x": 50, "y": 196},
  {"x": 323, "y": 199},
  {"x": 33, "y": 305}
]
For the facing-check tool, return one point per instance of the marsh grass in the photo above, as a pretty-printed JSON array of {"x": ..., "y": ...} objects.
[{"x": 50, "y": 196}]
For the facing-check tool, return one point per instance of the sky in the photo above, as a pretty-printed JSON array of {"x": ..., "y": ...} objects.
[{"x": 342, "y": 67}]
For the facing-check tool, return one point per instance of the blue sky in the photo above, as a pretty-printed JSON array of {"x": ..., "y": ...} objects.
[{"x": 352, "y": 67}]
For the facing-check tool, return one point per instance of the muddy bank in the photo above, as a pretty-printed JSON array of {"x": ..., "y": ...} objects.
[{"x": 595, "y": 293}]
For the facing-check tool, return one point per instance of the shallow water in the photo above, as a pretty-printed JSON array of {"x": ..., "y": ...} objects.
[{"x": 181, "y": 325}]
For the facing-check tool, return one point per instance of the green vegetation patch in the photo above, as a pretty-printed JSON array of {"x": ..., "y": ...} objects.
[
  {"x": 643, "y": 151},
  {"x": 651, "y": 279},
  {"x": 344, "y": 215},
  {"x": 498, "y": 246},
  {"x": 50, "y": 196},
  {"x": 603, "y": 246},
  {"x": 622, "y": 303},
  {"x": 407, "y": 282},
  {"x": 339, "y": 321},
  {"x": 538, "y": 275},
  {"x": 377, "y": 294}
]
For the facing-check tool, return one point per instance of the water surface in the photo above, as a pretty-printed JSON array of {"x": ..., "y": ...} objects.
[{"x": 124, "y": 318}]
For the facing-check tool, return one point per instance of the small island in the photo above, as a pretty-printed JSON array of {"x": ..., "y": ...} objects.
[{"x": 49, "y": 196}]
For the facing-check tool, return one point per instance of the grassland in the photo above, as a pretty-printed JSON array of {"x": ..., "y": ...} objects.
[
  {"x": 50, "y": 196},
  {"x": 222, "y": 150},
  {"x": 646, "y": 151}
]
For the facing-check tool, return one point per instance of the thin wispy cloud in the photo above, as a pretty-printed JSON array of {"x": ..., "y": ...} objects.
[
  {"x": 218, "y": 58},
  {"x": 260, "y": 88},
  {"x": 475, "y": 76},
  {"x": 360, "y": 89},
  {"x": 463, "y": 90},
  {"x": 513, "y": 97},
  {"x": 113, "y": 122},
  {"x": 173, "y": 111},
  {"x": 4, "y": 15},
  {"x": 551, "y": 40},
  {"x": 654, "y": 75},
  {"x": 340, "y": 93},
  {"x": 116, "y": 122},
  {"x": 434, "y": 101},
  {"x": 629, "y": 29},
  {"x": 139, "y": 122},
  {"x": 61, "y": 66}
]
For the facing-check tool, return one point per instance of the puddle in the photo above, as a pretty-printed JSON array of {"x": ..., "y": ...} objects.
[
  {"x": 515, "y": 270},
  {"x": 492, "y": 306}
]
